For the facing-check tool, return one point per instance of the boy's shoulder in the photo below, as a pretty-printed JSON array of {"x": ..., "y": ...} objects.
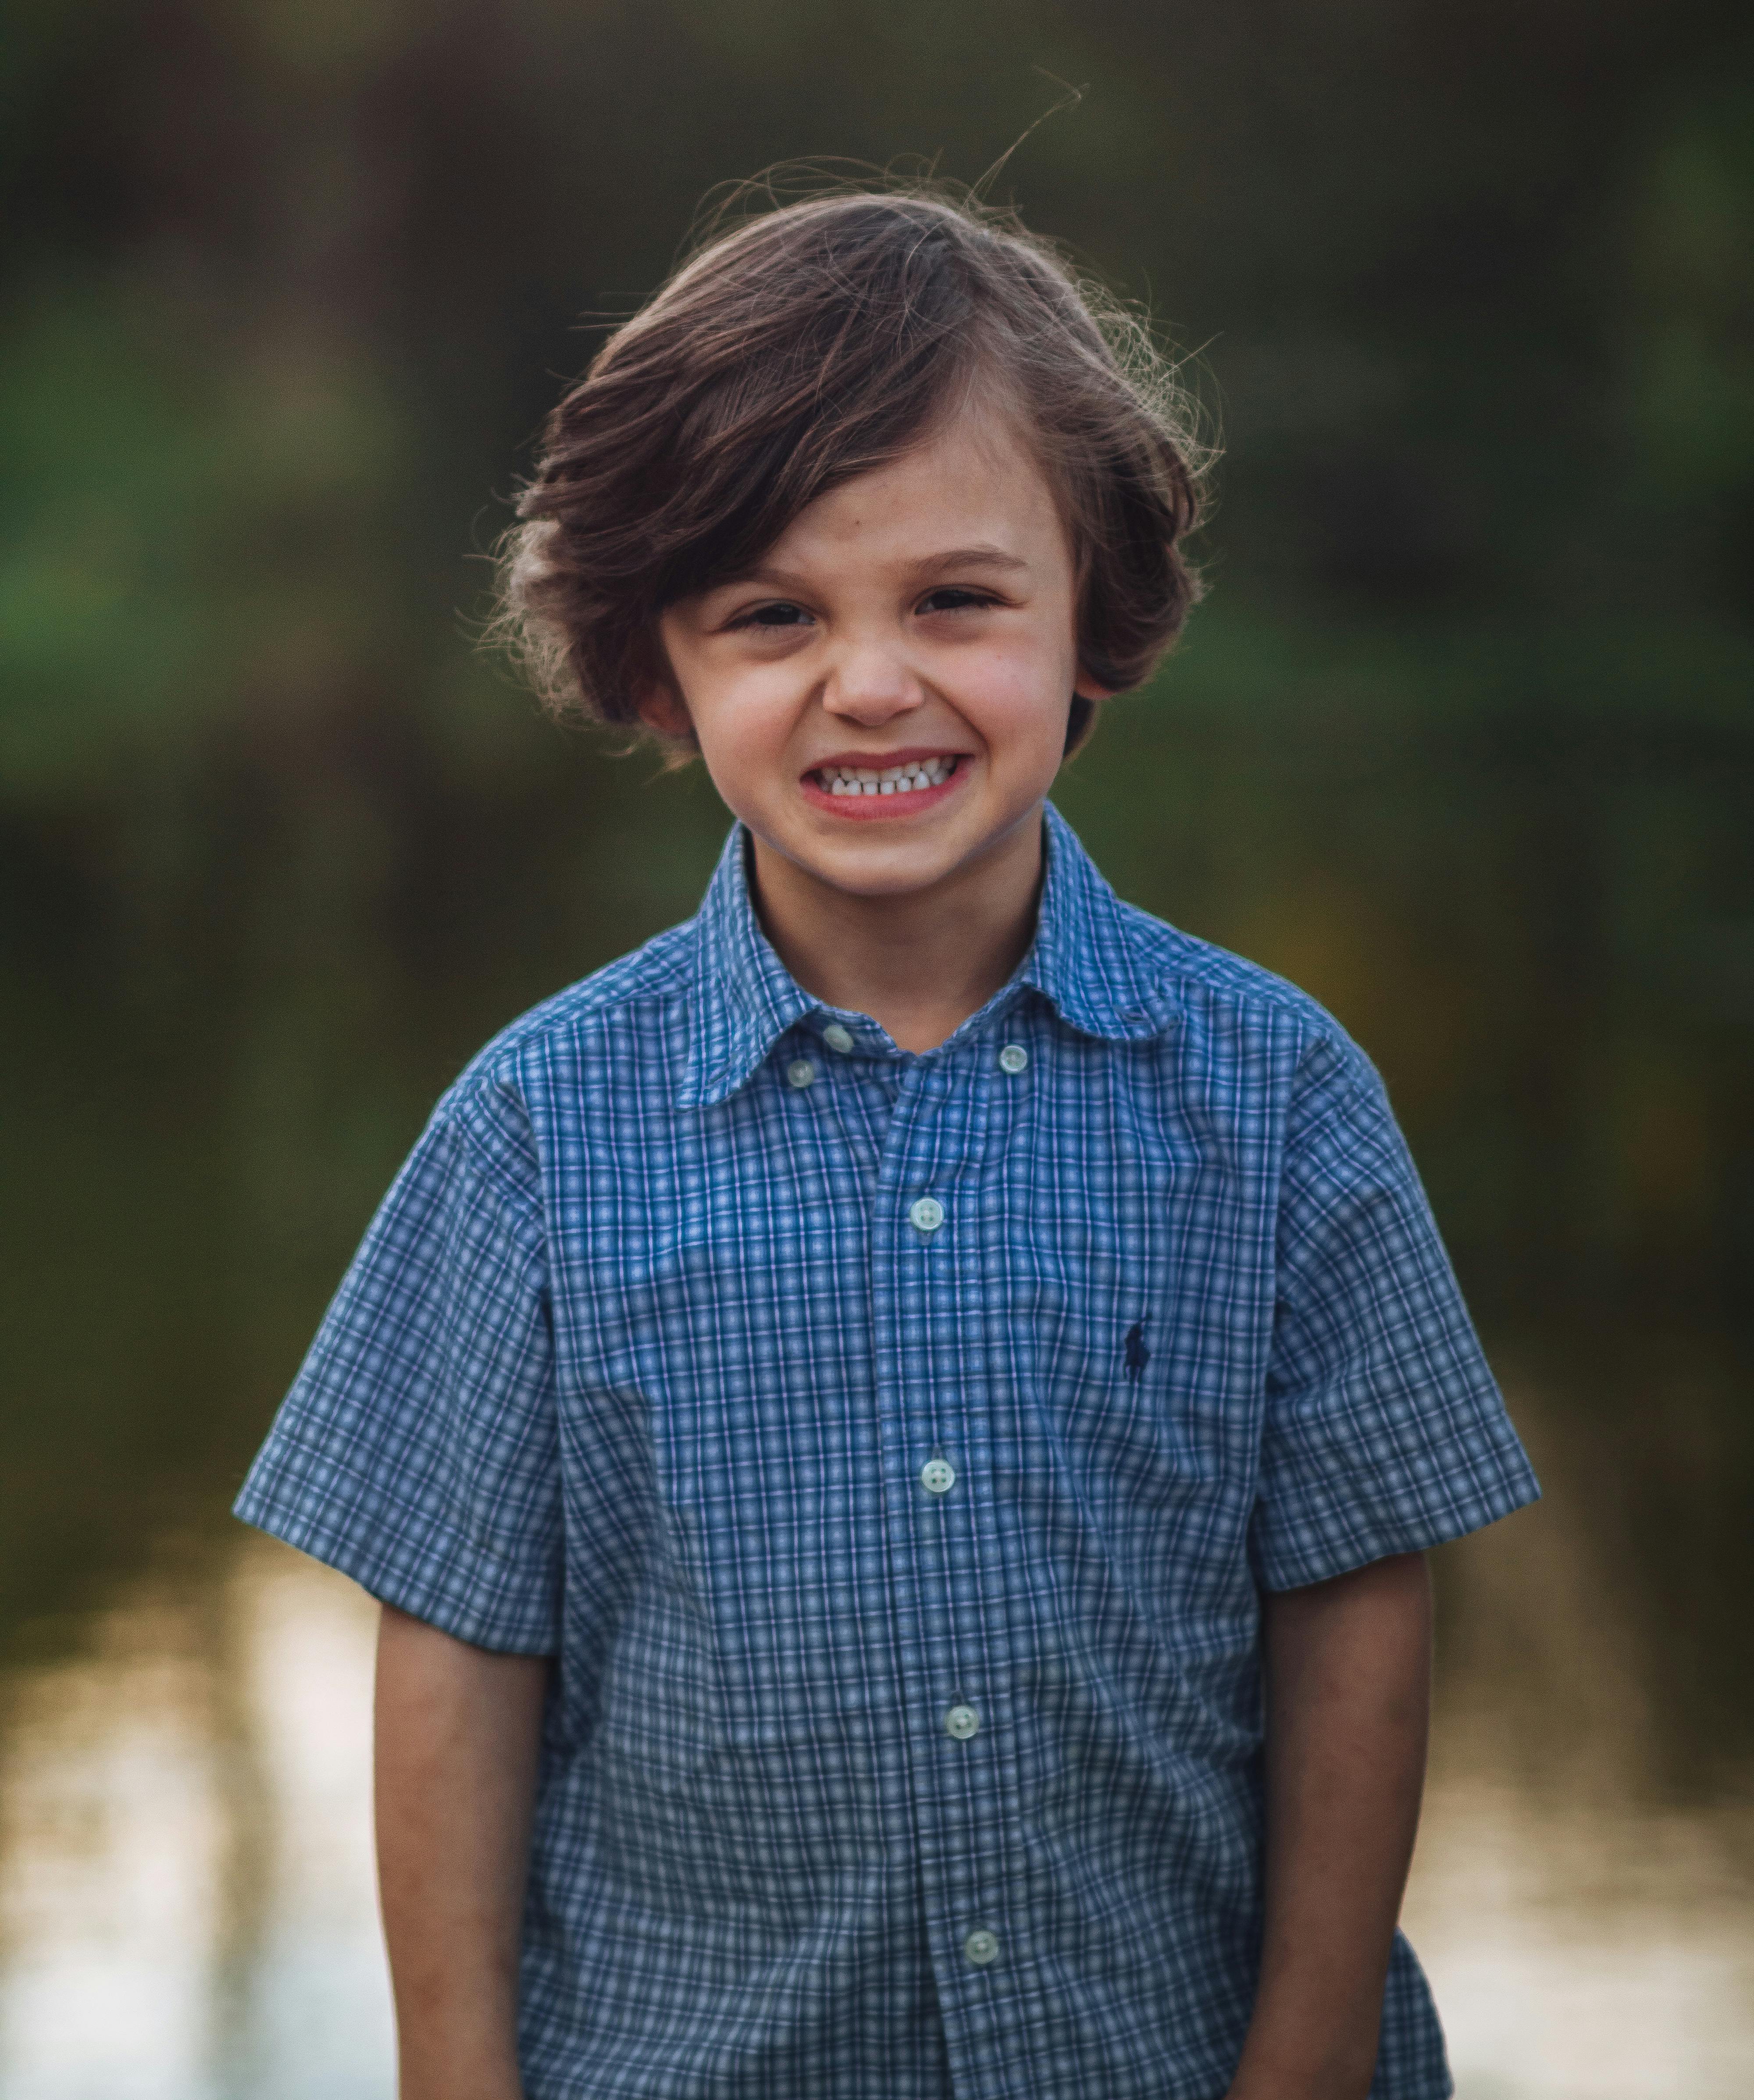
[
  {"x": 1128, "y": 975},
  {"x": 642, "y": 987},
  {"x": 1185, "y": 965},
  {"x": 1213, "y": 997}
]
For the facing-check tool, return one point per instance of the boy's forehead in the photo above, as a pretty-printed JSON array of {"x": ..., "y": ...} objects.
[{"x": 971, "y": 489}]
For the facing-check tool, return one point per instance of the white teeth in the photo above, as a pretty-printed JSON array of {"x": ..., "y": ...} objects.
[{"x": 918, "y": 774}]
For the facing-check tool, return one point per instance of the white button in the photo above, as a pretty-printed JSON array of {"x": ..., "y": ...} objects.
[
  {"x": 1013, "y": 1058},
  {"x": 982, "y": 1947},
  {"x": 927, "y": 1213},
  {"x": 937, "y": 1477},
  {"x": 961, "y": 1721},
  {"x": 801, "y": 1074},
  {"x": 837, "y": 1037}
]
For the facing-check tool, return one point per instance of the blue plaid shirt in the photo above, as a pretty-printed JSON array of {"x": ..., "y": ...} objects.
[{"x": 892, "y": 1450}]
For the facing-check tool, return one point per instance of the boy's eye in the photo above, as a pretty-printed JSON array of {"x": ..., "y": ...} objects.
[
  {"x": 952, "y": 598},
  {"x": 780, "y": 615}
]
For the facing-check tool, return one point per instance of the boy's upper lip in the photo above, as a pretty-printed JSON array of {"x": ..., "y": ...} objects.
[{"x": 907, "y": 754}]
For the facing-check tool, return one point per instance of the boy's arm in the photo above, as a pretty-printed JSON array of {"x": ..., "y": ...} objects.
[
  {"x": 457, "y": 1731},
  {"x": 1348, "y": 1673}
]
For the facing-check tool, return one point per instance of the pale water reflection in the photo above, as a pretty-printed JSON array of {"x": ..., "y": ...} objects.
[
  {"x": 186, "y": 1897},
  {"x": 187, "y": 1912}
]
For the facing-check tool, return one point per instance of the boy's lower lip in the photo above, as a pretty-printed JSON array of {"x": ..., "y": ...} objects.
[{"x": 869, "y": 809}]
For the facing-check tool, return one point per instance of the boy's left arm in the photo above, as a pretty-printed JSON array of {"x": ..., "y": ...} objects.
[{"x": 1348, "y": 1675}]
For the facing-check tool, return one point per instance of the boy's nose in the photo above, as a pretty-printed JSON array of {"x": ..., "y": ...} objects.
[{"x": 872, "y": 685}]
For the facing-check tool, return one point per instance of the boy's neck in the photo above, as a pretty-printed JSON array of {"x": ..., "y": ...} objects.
[{"x": 917, "y": 964}]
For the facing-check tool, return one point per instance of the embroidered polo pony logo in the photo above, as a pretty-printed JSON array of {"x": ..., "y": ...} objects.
[{"x": 1138, "y": 1356}]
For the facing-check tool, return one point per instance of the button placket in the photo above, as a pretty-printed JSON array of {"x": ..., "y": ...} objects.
[{"x": 931, "y": 1170}]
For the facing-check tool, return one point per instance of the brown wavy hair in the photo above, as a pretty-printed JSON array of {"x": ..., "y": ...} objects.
[{"x": 811, "y": 343}]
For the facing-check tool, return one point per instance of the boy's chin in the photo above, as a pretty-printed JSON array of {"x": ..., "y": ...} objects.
[
  {"x": 864, "y": 865},
  {"x": 875, "y": 874},
  {"x": 895, "y": 871}
]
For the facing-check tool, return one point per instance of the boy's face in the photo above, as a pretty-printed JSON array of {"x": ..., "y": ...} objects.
[{"x": 918, "y": 622}]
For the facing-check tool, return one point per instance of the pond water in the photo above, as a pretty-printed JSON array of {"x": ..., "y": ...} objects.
[{"x": 186, "y": 1898}]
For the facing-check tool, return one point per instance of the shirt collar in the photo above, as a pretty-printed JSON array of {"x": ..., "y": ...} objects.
[
  {"x": 746, "y": 997},
  {"x": 1084, "y": 961},
  {"x": 1087, "y": 957}
]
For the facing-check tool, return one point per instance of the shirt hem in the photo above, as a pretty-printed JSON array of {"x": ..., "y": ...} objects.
[
  {"x": 1299, "y": 1572},
  {"x": 347, "y": 1557}
]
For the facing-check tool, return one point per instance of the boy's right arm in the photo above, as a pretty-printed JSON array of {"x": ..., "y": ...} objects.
[{"x": 457, "y": 1732}]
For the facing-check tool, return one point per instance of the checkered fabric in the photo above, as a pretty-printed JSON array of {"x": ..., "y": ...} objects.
[{"x": 892, "y": 1450}]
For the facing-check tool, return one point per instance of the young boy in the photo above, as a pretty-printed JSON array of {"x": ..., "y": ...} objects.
[{"x": 895, "y": 1427}]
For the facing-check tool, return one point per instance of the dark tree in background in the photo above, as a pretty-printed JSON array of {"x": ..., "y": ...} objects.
[{"x": 1463, "y": 740}]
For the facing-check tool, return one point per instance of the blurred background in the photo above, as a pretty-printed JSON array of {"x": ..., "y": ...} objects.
[{"x": 1463, "y": 741}]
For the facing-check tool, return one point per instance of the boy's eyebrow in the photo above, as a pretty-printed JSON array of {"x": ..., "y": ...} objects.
[
  {"x": 952, "y": 558},
  {"x": 972, "y": 557}
]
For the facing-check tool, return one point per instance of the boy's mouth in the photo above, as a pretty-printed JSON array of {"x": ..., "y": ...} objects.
[
  {"x": 911, "y": 776},
  {"x": 902, "y": 784}
]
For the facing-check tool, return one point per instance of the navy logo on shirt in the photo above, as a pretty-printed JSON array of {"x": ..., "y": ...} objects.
[{"x": 1138, "y": 1356}]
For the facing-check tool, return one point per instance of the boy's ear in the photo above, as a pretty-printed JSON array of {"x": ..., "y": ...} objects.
[
  {"x": 660, "y": 708},
  {"x": 1087, "y": 697}
]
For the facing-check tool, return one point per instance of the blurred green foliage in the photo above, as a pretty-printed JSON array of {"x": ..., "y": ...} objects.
[{"x": 1463, "y": 740}]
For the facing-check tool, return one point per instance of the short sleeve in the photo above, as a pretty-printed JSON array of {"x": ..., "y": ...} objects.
[
  {"x": 1384, "y": 1429},
  {"x": 416, "y": 1450}
]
